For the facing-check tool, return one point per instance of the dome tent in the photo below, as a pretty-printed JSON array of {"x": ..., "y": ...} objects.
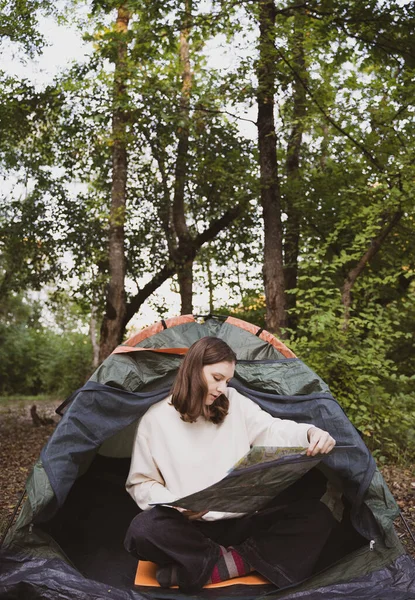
[{"x": 67, "y": 542}]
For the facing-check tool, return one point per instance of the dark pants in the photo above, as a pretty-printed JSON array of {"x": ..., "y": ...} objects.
[{"x": 281, "y": 543}]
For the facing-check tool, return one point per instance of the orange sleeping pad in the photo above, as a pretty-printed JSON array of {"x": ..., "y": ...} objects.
[{"x": 146, "y": 575}]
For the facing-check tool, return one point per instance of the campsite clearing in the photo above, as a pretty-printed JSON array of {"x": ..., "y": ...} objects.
[{"x": 21, "y": 442}]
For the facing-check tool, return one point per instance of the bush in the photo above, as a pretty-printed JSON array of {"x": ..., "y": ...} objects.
[
  {"x": 19, "y": 366},
  {"x": 43, "y": 362},
  {"x": 37, "y": 360},
  {"x": 65, "y": 362},
  {"x": 358, "y": 366}
]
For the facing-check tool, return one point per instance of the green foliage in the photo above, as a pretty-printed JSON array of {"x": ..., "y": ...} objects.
[
  {"x": 362, "y": 363},
  {"x": 37, "y": 360},
  {"x": 42, "y": 362},
  {"x": 65, "y": 362},
  {"x": 29, "y": 253},
  {"x": 250, "y": 309},
  {"x": 368, "y": 366},
  {"x": 19, "y": 22}
]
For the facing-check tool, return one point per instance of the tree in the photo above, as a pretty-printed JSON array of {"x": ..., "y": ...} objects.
[
  {"x": 115, "y": 308},
  {"x": 182, "y": 251},
  {"x": 293, "y": 189},
  {"x": 29, "y": 257},
  {"x": 274, "y": 284},
  {"x": 169, "y": 192}
]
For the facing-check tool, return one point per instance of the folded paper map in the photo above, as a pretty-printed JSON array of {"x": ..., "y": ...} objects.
[{"x": 253, "y": 481}]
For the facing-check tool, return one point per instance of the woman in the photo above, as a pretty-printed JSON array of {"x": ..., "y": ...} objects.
[{"x": 189, "y": 441}]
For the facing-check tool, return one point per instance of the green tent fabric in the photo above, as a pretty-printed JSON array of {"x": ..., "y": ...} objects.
[{"x": 67, "y": 542}]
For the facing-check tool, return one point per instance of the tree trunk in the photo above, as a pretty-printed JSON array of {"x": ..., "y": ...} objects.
[
  {"x": 93, "y": 336},
  {"x": 324, "y": 146},
  {"x": 185, "y": 279},
  {"x": 211, "y": 287},
  {"x": 357, "y": 270},
  {"x": 294, "y": 187},
  {"x": 270, "y": 189},
  {"x": 112, "y": 325},
  {"x": 183, "y": 253}
]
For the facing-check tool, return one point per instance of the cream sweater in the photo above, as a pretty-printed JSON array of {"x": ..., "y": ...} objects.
[{"x": 172, "y": 458}]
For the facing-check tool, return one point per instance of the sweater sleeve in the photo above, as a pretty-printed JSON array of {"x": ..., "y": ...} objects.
[
  {"x": 145, "y": 483},
  {"x": 266, "y": 430}
]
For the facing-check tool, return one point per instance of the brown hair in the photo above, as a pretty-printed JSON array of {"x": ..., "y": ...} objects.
[{"x": 190, "y": 389}]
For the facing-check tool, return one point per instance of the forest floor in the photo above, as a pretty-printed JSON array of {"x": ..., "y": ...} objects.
[{"x": 21, "y": 442}]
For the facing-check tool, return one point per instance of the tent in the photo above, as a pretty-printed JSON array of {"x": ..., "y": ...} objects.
[{"x": 67, "y": 542}]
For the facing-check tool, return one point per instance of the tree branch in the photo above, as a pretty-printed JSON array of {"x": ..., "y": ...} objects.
[
  {"x": 224, "y": 112},
  {"x": 217, "y": 226},
  {"x": 169, "y": 269},
  {"x": 366, "y": 152},
  {"x": 164, "y": 211}
]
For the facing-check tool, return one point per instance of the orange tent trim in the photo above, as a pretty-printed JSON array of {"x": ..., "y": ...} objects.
[
  {"x": 157, "y": 327},
  {"x": 131, "y": 344},
  {"x": 264, "y": 335}
]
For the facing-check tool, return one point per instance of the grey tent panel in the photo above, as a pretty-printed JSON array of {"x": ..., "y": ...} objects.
[
  {"x": 135, "y": 373},
  {"x": 286, "y": 377}
]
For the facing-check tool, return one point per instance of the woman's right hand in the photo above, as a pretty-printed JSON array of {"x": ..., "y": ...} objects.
[{"x": 320, "y": 441}]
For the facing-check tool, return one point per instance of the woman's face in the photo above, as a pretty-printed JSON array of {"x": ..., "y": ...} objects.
[{"x": 217, "y": 377}]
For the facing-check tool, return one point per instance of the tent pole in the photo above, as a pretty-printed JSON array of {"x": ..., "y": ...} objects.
[{"x": 10, "y": 522}]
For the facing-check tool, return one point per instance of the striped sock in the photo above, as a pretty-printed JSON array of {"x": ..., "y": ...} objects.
[{"x": 230, "y": 565}]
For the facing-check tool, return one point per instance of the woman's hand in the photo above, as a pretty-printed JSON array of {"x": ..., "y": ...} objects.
[
  {"x": 321, "y": 441},
  {"x": 192, "y": 515}
]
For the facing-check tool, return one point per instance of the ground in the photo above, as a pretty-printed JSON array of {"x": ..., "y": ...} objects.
[{"x": 21, "y": 442}]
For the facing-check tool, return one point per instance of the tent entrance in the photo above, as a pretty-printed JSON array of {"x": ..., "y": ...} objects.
[{"x": 91, "y": 526}]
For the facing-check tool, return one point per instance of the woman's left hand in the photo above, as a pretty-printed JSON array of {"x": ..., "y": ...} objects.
[{"x": 321, "y": 441}]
